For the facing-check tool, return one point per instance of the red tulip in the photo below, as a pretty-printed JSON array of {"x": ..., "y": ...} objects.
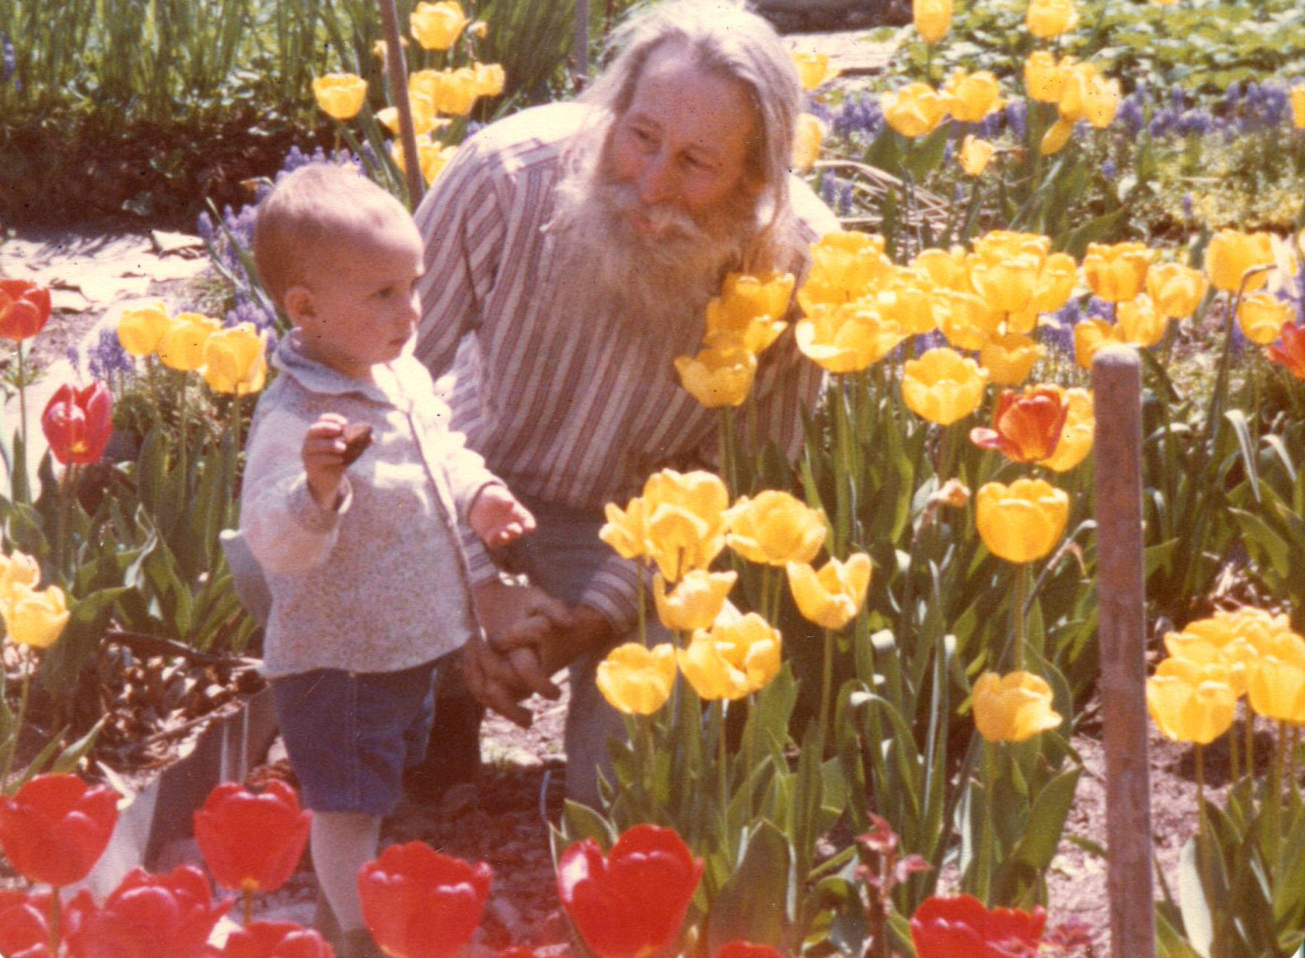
[
  {"x": 947, "y": 927},
  {"x": 1292, "y": 351},
  {"x": 56, "y": 827},
  {"x": 24, "y": 308},
  {"x": 276, "y": 939},
  {"x": 1027, "y": 425},
  {"x": 252, "y": 841},
  {"x": 419, "y": 903},
  {"x": 632, "y": 902},
  {"x": 24, "y": 929},
  {"x": 746, "y": 949},
  {"x": 147, "y": 916},
  {"x": 78, "y": 422}
]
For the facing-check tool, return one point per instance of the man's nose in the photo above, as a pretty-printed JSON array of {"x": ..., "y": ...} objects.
[{"x": 657, "y": 179}]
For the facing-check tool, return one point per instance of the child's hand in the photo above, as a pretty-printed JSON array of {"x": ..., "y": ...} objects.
[
  {"x": 497, "y": 517},
  {"x": 323, "y": 455}
]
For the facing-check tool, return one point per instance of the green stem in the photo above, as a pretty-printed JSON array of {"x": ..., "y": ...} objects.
[
  {"x": 55, "y": 916},
  {"x": 729, "y": 451},
  {"x": 987, "y": 841},
  {"x": 826, "y": 693},
  {"x": 1248, "y": 733},
  {"x": 12, "y": 744},
  {"x": 22, "y": 397},
  {"x": 1018, "y": 613},
  {"x": 247, "y": 904},
  {"x": 1202, "y": 833},
  {"x": 722, "y": 769}
]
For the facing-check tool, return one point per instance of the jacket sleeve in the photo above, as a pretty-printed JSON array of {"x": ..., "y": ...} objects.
[{"x": 285, "y": 528}]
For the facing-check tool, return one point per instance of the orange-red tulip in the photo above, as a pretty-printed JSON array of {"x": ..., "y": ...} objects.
[
  {"x": 24, "y": 308},
  {"x": 24, "y": 926},
  {"x": 147, "y": 916},
  {"x": 961, "y": 925},
  {"x": 252, "y": 841},
  {"x": 631, "y": 901},
  {"x": 275, "y": 939},
  {"x": 78, "y": 422},
  {"x": 56, "y": 827},
  {"x": 420, "y": 903},
  {"x": 1292, "y": 351},
  {"x": 1026, "y": 426}
]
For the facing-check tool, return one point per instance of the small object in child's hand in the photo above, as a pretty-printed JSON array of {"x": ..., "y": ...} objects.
[{"x": 357, "y": 437}]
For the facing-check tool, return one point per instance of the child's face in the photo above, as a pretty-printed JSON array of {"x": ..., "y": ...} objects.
[{"x": 359, "y": 308}]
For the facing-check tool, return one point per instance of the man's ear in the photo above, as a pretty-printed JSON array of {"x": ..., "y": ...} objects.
[{"x": 299, "y": 304}]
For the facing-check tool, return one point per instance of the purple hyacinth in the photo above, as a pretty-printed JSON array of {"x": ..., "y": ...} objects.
[{"x": 107, "y": 356}]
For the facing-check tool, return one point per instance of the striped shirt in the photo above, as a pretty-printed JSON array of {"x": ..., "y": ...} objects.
[{"x": 568, "y": 409}]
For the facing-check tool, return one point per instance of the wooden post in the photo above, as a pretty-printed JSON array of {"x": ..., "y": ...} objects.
[
  {"x": 397, "y": 64},
  {"x": 1117, "y": 454},
  {"x": 580, "y": 44}
]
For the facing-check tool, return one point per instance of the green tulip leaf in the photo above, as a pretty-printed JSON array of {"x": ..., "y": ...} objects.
[
  {"x": 755, "y": 904},
  {"x": 1197, "y": 919}
]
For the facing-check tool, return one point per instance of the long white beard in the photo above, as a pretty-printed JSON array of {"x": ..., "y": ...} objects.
[{"x": 655, "y": 280}]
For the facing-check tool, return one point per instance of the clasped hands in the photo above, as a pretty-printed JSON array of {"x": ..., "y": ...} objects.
[{"x": 529, "y": 636}]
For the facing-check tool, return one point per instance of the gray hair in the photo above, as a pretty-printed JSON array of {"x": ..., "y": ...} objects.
[{"x": 725, "y": 39}]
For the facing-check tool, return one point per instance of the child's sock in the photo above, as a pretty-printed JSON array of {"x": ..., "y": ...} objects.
[{"x": 341, "y": 843}]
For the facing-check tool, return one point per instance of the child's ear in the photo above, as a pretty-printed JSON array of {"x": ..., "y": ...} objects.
[{"x": 299, "y": 303}]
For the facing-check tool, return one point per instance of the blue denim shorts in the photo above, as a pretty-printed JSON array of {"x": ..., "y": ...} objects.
[{"x": 350, "y": 735}]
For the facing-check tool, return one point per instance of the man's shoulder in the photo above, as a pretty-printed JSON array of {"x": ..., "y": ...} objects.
[{"x": 530, "y": 136}]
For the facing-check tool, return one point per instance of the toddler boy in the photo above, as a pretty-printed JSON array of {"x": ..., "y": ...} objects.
[{"x": 358, "y": 535}]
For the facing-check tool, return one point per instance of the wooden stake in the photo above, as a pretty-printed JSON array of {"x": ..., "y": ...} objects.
[
  {"x": 397, "y": 64},
  {"x": 1117, "y": 452}
]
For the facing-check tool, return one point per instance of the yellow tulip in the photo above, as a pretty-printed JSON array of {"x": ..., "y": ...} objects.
[
  {"x": 1090, "y": 335},
  {"x": 340, "y": 95},
  {"x": 1022, "y": 521},
  {"x": 1076, "y": 438},
  {"x": 1117, "y": 271},
  {"x": 1139, "y": 323},
  {"x": 1297, "y": 94},
  {"x": 436, "y": 25},
  {"x": 775, "y": 528},
  {"x": 141, "y": 328},
  {"x": 1056, "y": 282},
  {"x": 736, "y": 657},
  {"x": 1009, "y": 358},
  {"x": 1056, "y": 137},
  {"x": 996, "y": 245},
  {"x": 932, "y": 18},
  {"x": 1044, "y": 78},
  {"x": 182, "y": 346},
  {"x": 832, "y": 596},
  {"x": 1088, "y": 96},
  {"x": 490, "y": 78},
  {"x": 975, "y": 155},
  {"x": 1261, "y": 317},
  {"x": 1190, "y": 713},
  {"x": 813, "y": 68},
  {"x": 686, "y": 523},
  {"x": 432, "y": 157},
  {"x": 452, "y": 91},
  {"x": 751, "y": 308},
  {"x": 1203, "y": 662},
  {"x": 626, "y": 530},
  {"x": 636, "y": 680},
  {"x": 846, "y": 338},
  {"x": 235, "y": 360},
  {"x": 914, "y": 110},
  {"x": 1232, "y": 253},
  {"x": 806, "y": 142},
  {"x": 1175, "y": 289},
  {"x": 942, "y": 385},
  {"x": 843, "y": 264},
  {"x": 721, "y": 374},
  {"x": 909, "y": 299},
  {"x": 1276, "y": 689},
  {"x": 424, "y": 117},
  {"x": 695, "y": 601},
  {"x": 969, "y": 97},
  {"x": 1013, "y": 707},
  {"x": 966, "y": 320},
  {"x": 1007, "y": 284},
  {"x": 34, "y": 618},
  {"x": 1050, "y": 18},
  {"x": 18, "y": 570},
  {"x": 948, "y": 268}
]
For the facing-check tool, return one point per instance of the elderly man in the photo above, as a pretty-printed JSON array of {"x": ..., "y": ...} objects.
[{"x": 570, "y": 253}]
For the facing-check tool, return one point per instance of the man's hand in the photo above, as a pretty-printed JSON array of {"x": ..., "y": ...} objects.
[
  {"x": 493, "y": 682},
  {"x": 323, "y": 456},
  {"x": 559, "y": 641},
  {"x": 500, "y": 679},
  {"x": 497, "y": 517}
]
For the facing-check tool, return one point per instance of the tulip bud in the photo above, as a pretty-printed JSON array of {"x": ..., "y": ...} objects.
[
  {"x": 975, "y": 155},
  {"x": 1050, "y": 18},
  {"x": 1013, "y": 707},
  {"x": 420, "y": 903},
  {"x": 942, "y": 385},
  {"x": 1023, "y": 521},
  {"x": 78, "y": 422},
  {"x": 813, "y": 68},
  {"x": 141, "y": 329},
  {"x": 436, "y": 25},
  {"x": 252, "y": 841},
  {"x": 932, "y": 18},
  {"x": 636, "y": 680}
]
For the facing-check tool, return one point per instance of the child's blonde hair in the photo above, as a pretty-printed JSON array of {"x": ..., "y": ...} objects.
[{"x": 315, "y": 204}]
